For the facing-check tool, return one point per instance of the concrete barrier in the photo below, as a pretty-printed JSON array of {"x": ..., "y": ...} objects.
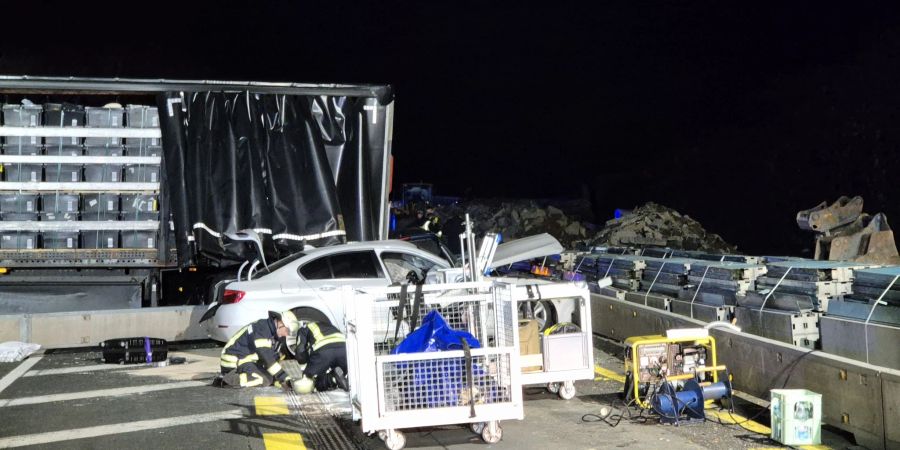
[
  {"x": 81, "y": 329},
  {"x": 857, "y": 397}
]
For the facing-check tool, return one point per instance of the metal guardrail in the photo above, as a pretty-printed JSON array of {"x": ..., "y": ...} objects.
[{"x": 859, "y": 398}]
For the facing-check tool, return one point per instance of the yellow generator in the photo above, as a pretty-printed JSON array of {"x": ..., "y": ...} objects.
[{"x": 674, "y": 375}]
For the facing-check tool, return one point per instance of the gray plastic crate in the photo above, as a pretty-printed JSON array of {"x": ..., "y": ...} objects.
[
  {"x": 141, "y": 116},
  {"x": 103, "y": 203},
  {"x": 139, "y": 203},
  {"x": 139, "y": 239},
  {"x": 21, "y": 149},
  {"x": 141, "y": 173},
  {"x": 19, "y": 240},
  {"x": 60, "y": 203},
  {"x": 18, "y": 216},
  {"x": 63, "y": 150},
  {"x": 22, "y": 115},
  {"x": 19, "y": 203},
  {"x": 63, "y": 115},
  {"x": 104, "y": 118},
  {"x": 140, "y": 215},
  {"x": 62, "y": 173},
  {"x": 24, "y": 141},
  {"x": 143, "y": 150},
  {"x": 103, "y": 173},
  {"x": 100, "y": 239},
  {"x": 115, "y": 150},
  {"x": 59, "y": 239},
  {"x": 59, "y": 216},
  {"x": 23, "y": 173}
]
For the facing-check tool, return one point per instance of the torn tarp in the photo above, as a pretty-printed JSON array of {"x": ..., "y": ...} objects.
[{"x": 295, "y": 169}]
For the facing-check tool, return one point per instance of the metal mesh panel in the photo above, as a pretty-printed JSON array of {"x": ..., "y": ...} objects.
[
  {"x": 469, "y": 312},
  {"x": 443, "y": 382}
]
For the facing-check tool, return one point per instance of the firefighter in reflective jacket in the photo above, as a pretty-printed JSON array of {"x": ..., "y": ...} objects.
[
  {"x": 251, "y": 357},
  {"x": 321, "y": 347}
]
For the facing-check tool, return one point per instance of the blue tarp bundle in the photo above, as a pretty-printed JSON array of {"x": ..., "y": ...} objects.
[{"x": 437, "y": 383}]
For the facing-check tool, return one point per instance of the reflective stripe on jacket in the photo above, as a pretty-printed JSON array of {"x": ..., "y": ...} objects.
[{"x": 256, "y": 343}]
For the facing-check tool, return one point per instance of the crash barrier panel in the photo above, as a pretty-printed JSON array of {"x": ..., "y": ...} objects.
[
  {"x": 859, "y": 398},
  {"x": 88, "y": 328}
]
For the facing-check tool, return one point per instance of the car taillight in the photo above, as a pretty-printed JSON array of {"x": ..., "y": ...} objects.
[{"x": 232, "y": 296}]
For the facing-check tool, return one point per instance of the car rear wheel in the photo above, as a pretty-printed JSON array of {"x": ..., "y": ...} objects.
[{"x": 310, "y": 315}]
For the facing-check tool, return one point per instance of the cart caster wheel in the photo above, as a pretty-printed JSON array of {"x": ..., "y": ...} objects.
[
  {"x": 477, "y": 427},
  {"x": 393, "y": 439},
  {"x": 567, "y": 390},
  {"x": 492, "y": 433},
  {"x": 553, "y": 388}
]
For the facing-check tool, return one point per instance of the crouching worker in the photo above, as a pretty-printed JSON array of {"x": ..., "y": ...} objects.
[
  {"x": 323, "y": 349},
  {"x": 251, "y": 357}
]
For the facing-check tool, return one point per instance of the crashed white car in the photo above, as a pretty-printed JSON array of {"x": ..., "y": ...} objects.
[{"x": 308, "y": 283}]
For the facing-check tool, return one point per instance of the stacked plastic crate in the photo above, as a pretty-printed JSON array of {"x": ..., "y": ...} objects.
[
  {"x": 140, "y": 207},
  {"x": 26, "y": 204},
  {"x": 19, "y": 206}
]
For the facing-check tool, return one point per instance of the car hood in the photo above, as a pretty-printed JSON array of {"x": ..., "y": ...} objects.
[{"x": 530, "y": 247}]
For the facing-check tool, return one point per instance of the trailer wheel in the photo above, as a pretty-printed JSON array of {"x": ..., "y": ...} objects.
[
  {"x": 567, "y": 390},
  {"x": 393, "y": 439},
  {"x": 477, "y": 427},
  {"x": 553, "y": 388},
  {"x": 492, "y": 433}
]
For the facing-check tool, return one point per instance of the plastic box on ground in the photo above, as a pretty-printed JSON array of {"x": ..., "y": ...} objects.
[
  {"x": 104, "y": 118},
  {"x": 796, "y": 416},
  {"x": 141, "y": 173},
  {"x": 19, "y": 203},
  {"x": 60, "y": 203},
  {"x": 63, "y": 115},
  {"x": 18, "y": 240},
  {"x": 139, "y": 239},
  {"x": 99, "y": 239},
  {"x": 59, "y": 239}
]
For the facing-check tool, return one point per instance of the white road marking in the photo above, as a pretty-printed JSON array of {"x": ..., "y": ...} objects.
[
  {"x": 99, "y": 393},
  {"x": 14, "y": 374},
  {"x": 118, "y": 428},
  {"x": 79, "y": 369}
]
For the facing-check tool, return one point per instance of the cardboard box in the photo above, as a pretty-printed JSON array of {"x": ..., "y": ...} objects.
[{"x": 530, "y": 345}]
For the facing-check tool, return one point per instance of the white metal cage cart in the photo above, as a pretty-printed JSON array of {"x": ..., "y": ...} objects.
[
  {"x": 479, "y": 386},
  {"x": 567, "y": 355}
]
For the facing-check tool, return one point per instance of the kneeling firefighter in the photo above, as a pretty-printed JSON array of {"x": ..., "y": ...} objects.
[
  {"x": 323, "y": 349},
  {"x": 251, "y": 357}
]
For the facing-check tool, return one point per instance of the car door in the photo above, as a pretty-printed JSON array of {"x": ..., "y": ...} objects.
[{"x": 328, "y": 274}]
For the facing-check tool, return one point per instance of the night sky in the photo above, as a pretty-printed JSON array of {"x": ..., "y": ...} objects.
[{"x": 738, "y": 114}]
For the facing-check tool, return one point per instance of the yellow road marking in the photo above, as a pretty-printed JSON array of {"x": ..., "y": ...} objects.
[
  {"x": 750, "y": 425},
  {"x": 609, "y": 374},
  {"x": 283, "y": 441},
  {"x": 270, "y": 406}
]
